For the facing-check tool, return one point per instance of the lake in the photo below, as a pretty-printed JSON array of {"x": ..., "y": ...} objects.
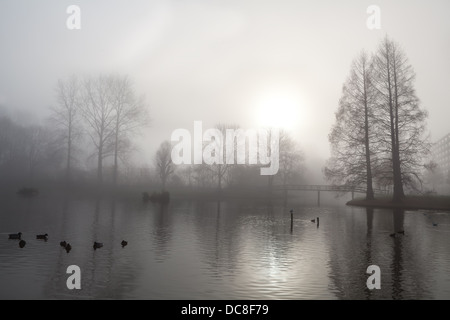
[{"x": 220, "y": 250}]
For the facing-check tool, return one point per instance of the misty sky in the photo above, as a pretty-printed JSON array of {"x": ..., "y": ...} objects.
[{"x": 215, "y": 61}]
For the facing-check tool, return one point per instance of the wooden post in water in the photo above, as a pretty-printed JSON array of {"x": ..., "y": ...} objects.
[
  {"x": 292, "y": 220},
  {"x": 317, "y": 222},
  {"x": 318, "y": 198}
]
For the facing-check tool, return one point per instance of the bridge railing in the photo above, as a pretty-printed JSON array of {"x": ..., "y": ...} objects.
[{"x": 335, "y": 188}]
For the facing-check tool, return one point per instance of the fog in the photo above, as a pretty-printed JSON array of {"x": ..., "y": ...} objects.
[{"x": 212, "y": 61}]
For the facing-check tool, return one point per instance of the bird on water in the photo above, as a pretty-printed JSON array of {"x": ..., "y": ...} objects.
[
  {"x": 42, "y": 236},
  {"x": 15, "y": 235},
  {"x": 97, "y": 245}
]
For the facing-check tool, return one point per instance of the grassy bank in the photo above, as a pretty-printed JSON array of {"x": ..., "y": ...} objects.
[{"x": 409, "y": 203}]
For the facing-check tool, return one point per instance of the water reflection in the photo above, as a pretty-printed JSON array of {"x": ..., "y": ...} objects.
[
  {"x": 162, "y": 231},
  {"x": 368, "y": 251},
  {"x": 397, "y": 259},
  {"x": 222, "y": 250}
]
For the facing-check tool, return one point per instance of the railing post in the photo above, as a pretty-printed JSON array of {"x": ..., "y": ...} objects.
[{"x": 318, "y": 198}]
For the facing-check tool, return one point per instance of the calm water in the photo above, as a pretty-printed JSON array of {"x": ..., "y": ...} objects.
[{"x": 227, "y": 250}]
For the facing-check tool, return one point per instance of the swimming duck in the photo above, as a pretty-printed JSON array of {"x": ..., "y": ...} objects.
[
  {"x": 124, "y": 243},
  {"x": 392, "y": 235},
  {"x": 63, "y": 244},
  {"x": 401, "y": 232},
  {"x": 42, "y": 236},
  {"x": 15, "y": 235},
  {"x": 22, "y": 243},
  {"x": 68, "y": 247},
  {"x": 97, "y": 245}
]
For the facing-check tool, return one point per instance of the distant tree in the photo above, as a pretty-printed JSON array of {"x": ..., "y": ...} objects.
[
  {"x": 130, "y": 115},
  {"x": 353, "y": 136},
  {"x": 402, "y": 123},
  {"x": 291, "y": 159},
  {"x": 164, "y": 165},
  {"x": 65, "y": 117},
  {"x": 98, "y": 111},
  {"x": 40, "y": 151},
  {"x": 221, "y": 171}
]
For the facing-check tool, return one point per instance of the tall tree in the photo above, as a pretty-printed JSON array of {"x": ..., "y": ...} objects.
[
  {"x": 66, "y": 117},
  {"x": 129, "y": 116},
  {"x": 353, "y": 135},
  {"x": 291, "y": 158},
  {"x": 164, "y": 165},
  {"x": 98, "y": 111},
  {"x": 403, "y": 121},
  {"x": 221, "y": 171}
]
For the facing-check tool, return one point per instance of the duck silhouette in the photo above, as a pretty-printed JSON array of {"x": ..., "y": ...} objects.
[
  {"x": 15, "y": 235},
  {"x": 401, "y": 232},
  {"x": 63, "y": 244},
  {"x": 42, "y": 236},
  {"x": 68, "y": 247},
  {"x": 313, "y": 220},
  {"x": 392, "y": 235},
  {"x": 124, "y": 243},
  {"x": 22, "y": 243},
  {"x": 97, "y": 245}
]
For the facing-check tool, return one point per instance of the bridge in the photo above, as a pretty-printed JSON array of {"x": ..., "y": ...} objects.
[{"x": 329, "y": 188}]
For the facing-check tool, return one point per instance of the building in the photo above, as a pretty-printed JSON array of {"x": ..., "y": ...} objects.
[{"x": 441, "y": 155}]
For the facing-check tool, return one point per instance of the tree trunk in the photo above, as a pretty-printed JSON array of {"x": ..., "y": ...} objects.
[
  {"x": 116, "y": 147},
  {"x": 398, "y": 188},
  {"x": 398, "y": 183},
  {"x": 369, "y": 191},
  {"x": 100, "y": 164},
  {"x": 69, "y": 154}
]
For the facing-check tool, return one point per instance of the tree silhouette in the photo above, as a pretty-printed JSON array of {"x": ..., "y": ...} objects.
[
  {"x": 353, "y": 135},
  {"x": 402, "y": 122}
]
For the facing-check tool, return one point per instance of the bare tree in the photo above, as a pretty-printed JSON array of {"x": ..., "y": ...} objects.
[
  {"x": 353, "y": 136},
  {"x": 98, "y": 111},
  {"x": 129, "y": 116},
  {"x": 221, "y": 171},
  {"x": 39, "y": 150},
  {"x": 164, "y": 165},
  {"x": 291, "y": 158},
  {"x": 402, "y": 121},
  {"x": 65, "y": 117}
]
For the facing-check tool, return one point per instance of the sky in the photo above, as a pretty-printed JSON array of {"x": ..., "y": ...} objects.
[{"x": 236, "y": 61}]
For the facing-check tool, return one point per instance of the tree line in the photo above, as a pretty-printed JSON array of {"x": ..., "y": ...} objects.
[
  {"x": 379, "y": 136},
  {"x": 89, "y": 138}
]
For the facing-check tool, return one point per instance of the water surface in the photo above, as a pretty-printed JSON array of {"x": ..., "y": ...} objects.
[{"x": 226, "y": 250}]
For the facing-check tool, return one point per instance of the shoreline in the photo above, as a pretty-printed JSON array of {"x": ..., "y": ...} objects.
[{"x": 409, "y": 203}]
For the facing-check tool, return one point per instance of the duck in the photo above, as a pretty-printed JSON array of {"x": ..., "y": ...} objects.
[
  {"x": 68, "y": 247},
  {"x": 22, "y": 243},
  {"x": 15, "y": 235},
  {"x": 435, "y": 224},
  {"x": 401, "y": 232},
  {"x": 97, "y": 245},
  {"x": 124, "y": 243},
  {"x": 42, "y": 236},
  {"x": 313, "y": 220},
  {"x": 63, "y": 244},
  {"x": 392, "y": 235}
]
